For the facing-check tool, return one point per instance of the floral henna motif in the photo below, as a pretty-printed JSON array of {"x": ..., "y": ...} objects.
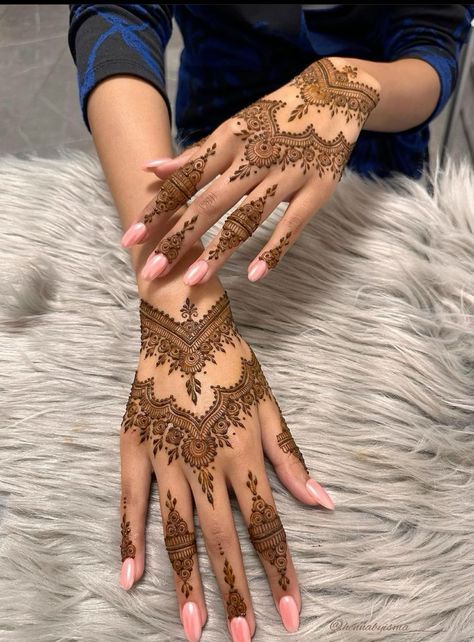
[
  {"x": 241, "y": 224},
  {"x": 235, "y": 603},
  {"x": 171, "y": 246},
  {"x": 180, "y": 186},
  {"x": 180, "y": 544},
  {"x": 127, "y": 548},
  {"x": 287, "y": 443},
  {"x": 184, "y": 434},
  {"x": 267, "y": 144},
  {"x": 267, "y": 533},
  {"x": 322, "y": 84},
  {"x": 187, "y": 345},
  {"x": 272, "y": 257}
]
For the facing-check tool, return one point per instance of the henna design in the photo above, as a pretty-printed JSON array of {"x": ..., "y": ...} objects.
[
  {"x": 180, "y": 544},
  {"x": 287, "y": 443},
  {"x": 241, "y": 224},
  {"x": 171, "y": 246},
  {"x": 323, "y": 84},
  {"x": 267, "y": 144},
  {"x": 180, "y": 186},
  {"x": 127, "y": 548},
  {"x": 187, "y": 345},
  {"x": 195, "y": 438},
  {"x": 273, "y": 256},
  {"x": 267, "y": 533},
  {"x": 235, "y": 603}
]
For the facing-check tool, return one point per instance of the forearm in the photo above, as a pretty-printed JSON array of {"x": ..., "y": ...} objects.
[
  {"x": 409, "y": 91},
  {"x": 129, "y": 124}
]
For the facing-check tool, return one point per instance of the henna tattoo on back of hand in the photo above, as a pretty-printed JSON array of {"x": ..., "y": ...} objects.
[
  {"x": 273, "y": 256},
  {"x": 235, "y": 603},
  {"x": 171, "y": 246},
  {"x": 241, "y": 224},
  {"x": 267, "y": 533},
  {"x": 180, "y": 544},
  {"x": 127, "y": 548},
  {"x": 180, "y": 186},
  {"x": 187, "y": 345}
]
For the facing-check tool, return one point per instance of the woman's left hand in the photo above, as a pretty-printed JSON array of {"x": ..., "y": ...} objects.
[{"x": 290, "y": 146}]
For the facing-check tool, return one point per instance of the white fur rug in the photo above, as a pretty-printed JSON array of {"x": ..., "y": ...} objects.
[{"x": 366, "y": 332}]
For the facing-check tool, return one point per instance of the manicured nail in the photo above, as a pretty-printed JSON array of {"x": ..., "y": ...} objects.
[
  {"x": 289, "y": 613},
  {"x": 134, "y": 234},
  {"x": 156, "y": 264},
  {"x": 240, "y": 630},
  {"x": 127, "y": 576},
  {"x": 196, "y": 272},
  {"x": 317, "y": 492},
  {"x": 257, "y": 271},
  {"x": 155, "y": 162},
  {"x": 191, "y": 621}
]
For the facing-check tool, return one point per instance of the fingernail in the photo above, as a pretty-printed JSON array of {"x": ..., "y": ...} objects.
[
  {"x": 134, "y": 234},
  {"x": 155, "y": 265},
  {"x": 257, "y": 271},
  {"x": 191, "y": 621},
  {"x": 156, "y": 162},
  {"x": 127, "y": 576},
  {"x": 196, "y": 272},
  {"x": 317, "y": 492},
  {"x": 240, "y": 629},
  {"x": 289, "y": 613}
]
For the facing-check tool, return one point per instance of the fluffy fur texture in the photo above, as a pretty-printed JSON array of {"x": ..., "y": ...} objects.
[{"x": 366, "y": 334}]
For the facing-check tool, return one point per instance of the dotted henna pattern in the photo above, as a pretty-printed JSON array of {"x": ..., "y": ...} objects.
[
  {"x": 241, "y": 224},
  {"x": 187, "y": 345},
  {"x": 273, "y": 256},
  {"x": 180, "y": 186},
  {"x": 180, "y": 544},
  {"x": 322, "y": 84},
  {"x": 171, "y": 246},
  {"x": 267, "y": 533},
  {"x": 195, "y": 438},
  {"x": 127, "y": 548},
  {"x": 267, "y": 145},
  {"x": 235, "y": 603}
]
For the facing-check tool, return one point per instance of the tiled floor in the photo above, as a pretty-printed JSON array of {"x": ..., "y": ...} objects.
[{"x": 39, "y": 109}]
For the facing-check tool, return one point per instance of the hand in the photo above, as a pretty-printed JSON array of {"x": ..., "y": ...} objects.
[
  {"x": 201, "y": 415},
  {"x": 290, "y": 146}
]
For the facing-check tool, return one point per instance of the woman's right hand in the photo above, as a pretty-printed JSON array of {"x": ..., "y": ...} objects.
[{"x": 201, "y": 415}]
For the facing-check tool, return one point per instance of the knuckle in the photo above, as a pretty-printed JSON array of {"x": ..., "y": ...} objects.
[
  {"x": 218, "y": 536},
  {"x": 297, "y": 221},
  {"x": 206, "y": 203}
]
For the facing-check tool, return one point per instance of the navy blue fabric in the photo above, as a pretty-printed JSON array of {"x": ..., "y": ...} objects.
[{"x": 234, "y": 54}]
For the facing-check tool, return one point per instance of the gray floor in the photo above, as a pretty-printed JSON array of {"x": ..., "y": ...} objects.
[{"x": 39, "y": 109}]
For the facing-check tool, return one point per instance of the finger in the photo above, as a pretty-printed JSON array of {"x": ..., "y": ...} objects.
[
  {"x": 136, "y": 475},
  {"x": 301, "y": 208},
  {"x": 281, "y": 449},
  {"x": 163, "y": 167},
  {"x": 197, "y": 218},
  {"x": 268, "y": 537},
  {"x": 223, "y": 547},
  {"x": 180, "y": 542}
]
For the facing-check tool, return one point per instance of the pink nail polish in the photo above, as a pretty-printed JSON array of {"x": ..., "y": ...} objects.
[
  {"x": 317, "y": 492},
  {"x": 156, "y": 162},
  {"x": 257, "y": 271},
  {"x": 135, "y": 233},
  {"x": 127, "y": 575},
  {"x": 156, "y": 264},
  {"x": 196, "y": 272},
  {"x": 289, "y": 613},
  {"x": 191, "y": 621},
  {"x": 240, "y": 630}
]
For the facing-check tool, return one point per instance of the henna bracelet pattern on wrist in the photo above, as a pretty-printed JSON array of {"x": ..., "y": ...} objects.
[
  {"x": 180, "y": 544},
  {"x": 187, "y": 345},
  {"x": 180, "y": 186},
  {"x": 267, "y": 145},
  {"x": 171, "y": 246},
  {"x": 235, "y": 603},
  {"x": 322, "y": 84},
  {"x": 267, "y": 533},
  {"x": 195, "y": 438},
  {"x": 241, "y": 224},
  {"x": 273, "y": 256},
  {"x": 127, "y": 548}
]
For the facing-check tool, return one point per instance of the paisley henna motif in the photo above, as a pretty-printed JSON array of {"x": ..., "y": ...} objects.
[
  {"x": 267, "y": 145},
  {"x": 171, "y": 246},
  {"x": 273, "y": 256},
  {"x": 180, "y": 544},
  {"x": 235, "y": 603},
  {"x": 127, "y": 548},
  {"x": 180, "y": 186},
  {"x": 241, "y": 224},
  {"x": 322, "y": 84},
  {"x": 195, "y": 438},
  {"x": 187, "y": 345},
  {"x": 267, "y": 533}
]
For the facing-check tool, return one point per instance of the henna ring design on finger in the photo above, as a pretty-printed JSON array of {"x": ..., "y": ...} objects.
[
  {"x": 171, "y": 246},
  {"x": 273, "y": 256},
  {"x": 180, "y": 544},
  {"x": 287, "y": 443},
  {"x": 235, "y": 603},
  {"x": 127, "y": 548}
]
